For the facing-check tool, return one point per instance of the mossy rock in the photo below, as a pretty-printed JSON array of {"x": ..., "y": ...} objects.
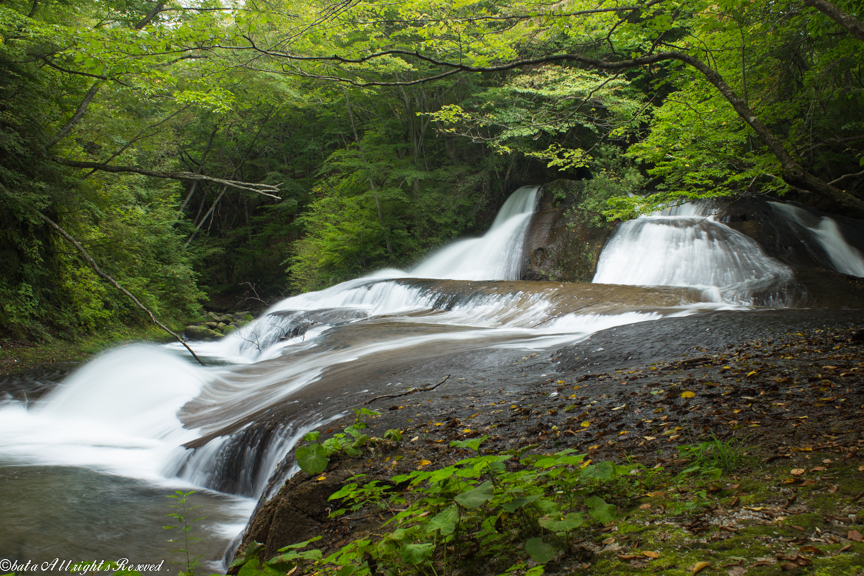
[{"x": 194, "y": 332}]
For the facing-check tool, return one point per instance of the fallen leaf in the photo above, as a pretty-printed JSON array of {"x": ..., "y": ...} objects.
[
  {"x": 627, "y": 557},
  {"x": 652, "y": 555},
  {"x": 788, "y": 566},
  {"x": 854, "y": 535},
  {"x": 609, "y": 540},
  {"x": 700, "y": 566},
  {"x": 798, "y": 471},
  {"x": 812, "y": 550},
  {"x": 818, "y": 469},
  {"x": 619, "y": 407},
  {"x": 424, "y": 463},
  {"x": 737, "y": 571},
  {"x": 861, "y": 468},
  {"x": 645, "y": 507},
  {"x": 688, "y": 394},
  {"x": 585, "y": 424}
]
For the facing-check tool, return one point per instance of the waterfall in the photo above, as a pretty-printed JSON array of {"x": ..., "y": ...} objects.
[
  {"x": 844, "y": 257},
  {"x": 492, "y": 256},
  {"x": 680, "y": 247}
]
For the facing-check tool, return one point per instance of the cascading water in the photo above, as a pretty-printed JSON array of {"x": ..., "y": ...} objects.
[
  {"x": 685, "y": 246},
  {"x": 143, "y": 420},
  {"x": 844, "y": 257}
]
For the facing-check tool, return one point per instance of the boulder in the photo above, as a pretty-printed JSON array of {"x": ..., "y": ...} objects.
[
  {"x": 563, "y": 241},
  {"x": 195, "y": 332}
]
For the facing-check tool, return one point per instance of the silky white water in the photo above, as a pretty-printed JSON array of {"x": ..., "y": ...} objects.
[
  {"x": 128, "y": 418},
  {"x": 686, "y": 247},
  {"x": 844, "y": 257}
]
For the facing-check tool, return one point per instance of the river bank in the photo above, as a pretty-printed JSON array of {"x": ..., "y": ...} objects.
[
  {"x": 783, "y": 388},
  {"x": 17, "y": 355}
]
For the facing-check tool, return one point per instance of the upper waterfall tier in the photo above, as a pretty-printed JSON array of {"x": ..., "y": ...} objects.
[
  {"x": 494, "y": 256},
  {"x": 693, "y": 251}
]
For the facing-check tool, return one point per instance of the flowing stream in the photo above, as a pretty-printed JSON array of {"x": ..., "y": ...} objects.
[{"x": 85, "y": 468}]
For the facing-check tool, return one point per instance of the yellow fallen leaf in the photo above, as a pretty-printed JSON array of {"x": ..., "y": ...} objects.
[
  {"x": 688, "y": 394},
  {"x": 466, "y": 431},
  {"x": 700, "y": 566},
  {"x": 424, "y": 463},
  {"x": 595, "y": 447},
  {"x": 797, "y": 471},
  {"x": 585, "y": 424},
  {"x": 649, "y": 554},
  {"x": 649, "y": 437},
  {"x": 321, "y": 478},
  {"x": 751, "y": 374},
  {"x": 861, "y": 468},
  {"x": 623, "y": 432},
  {"x": 560, "y": 382}
]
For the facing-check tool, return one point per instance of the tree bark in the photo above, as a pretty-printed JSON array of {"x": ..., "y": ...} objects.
[
  {"x": 76, "y": 118},
  {"x": 852, "y": 25}
]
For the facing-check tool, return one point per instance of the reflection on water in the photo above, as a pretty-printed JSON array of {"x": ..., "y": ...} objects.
[{"x": 81, "y": 515}]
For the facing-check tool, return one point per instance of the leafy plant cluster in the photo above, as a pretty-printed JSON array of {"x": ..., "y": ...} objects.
[
  {"x": 524, "y": 509},
  {"x": 313, "y": 458},
  {"x": 713, "y": 457}
]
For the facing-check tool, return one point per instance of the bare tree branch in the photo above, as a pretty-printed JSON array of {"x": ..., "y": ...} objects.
[
  {"x": 846, "y": 176},
  {"x": 79, "y": 113},
  {"x": 89, "y": 259},
  {"x": 793, "y": 173},
  {"x": 263, "y": 189},
  {"x": 852, "y": 25},
  {"x": 150, "y": 15}
]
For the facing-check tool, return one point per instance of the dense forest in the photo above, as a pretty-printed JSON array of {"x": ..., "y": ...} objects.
[{"x": 206, "y": 149}]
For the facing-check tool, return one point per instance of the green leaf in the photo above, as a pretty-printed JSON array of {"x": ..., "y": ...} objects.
[
  {"x": 394, "y": 435},
  {"x": 517, "y": 503},
  {"x": 417, "y": 553},
  {"x": 600, "y": 510},
  {"x": 445, "y": 521},
  {"x": 312, "y": 459},
  {"x": 540, "y": 551},
  {"x": 558, "y": 523},
  {"x": 312, "y": 436},
  {"x": 473, "y": 443},
  {"x": 476, "y": 497}
]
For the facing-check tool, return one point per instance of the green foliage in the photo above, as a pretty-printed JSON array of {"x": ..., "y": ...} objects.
[
  {"x": 485, "y": 508},
  {"x": 713, "y": 457},
  {"x": 314, "y": 457},
  {"x": 184, "y": 525}
]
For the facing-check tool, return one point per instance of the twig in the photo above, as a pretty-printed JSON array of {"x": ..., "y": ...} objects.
[{"x": 411, "y": 391}]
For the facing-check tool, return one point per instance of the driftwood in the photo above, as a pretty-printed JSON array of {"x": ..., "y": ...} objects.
[{"x": 411, "y": 391}]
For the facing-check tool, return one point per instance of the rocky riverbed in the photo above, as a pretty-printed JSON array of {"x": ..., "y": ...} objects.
[{"x": 785, "y": 385}]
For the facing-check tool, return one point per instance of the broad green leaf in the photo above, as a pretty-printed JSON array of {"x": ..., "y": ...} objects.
[
  {"x": 540, "y": 551},
  {"x": 517, "y": 503},
  {"x": 445, "y": 521},
  {"x": 600, "y": 510},
  {"x": 558, "y": 523},
  {"x": 312, "y": 459},
  {"x": 416, "y": 553},
  {"x": 476, "y": 497}
]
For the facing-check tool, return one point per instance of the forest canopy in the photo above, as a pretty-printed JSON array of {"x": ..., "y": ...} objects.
[{"x": 203, "y": 148}]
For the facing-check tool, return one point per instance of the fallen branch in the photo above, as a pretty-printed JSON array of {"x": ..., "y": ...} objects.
[
  {"x": 263, "y": 189},
  {"x": 410, "y": 391},
  {"x": 68, "y": 237}
]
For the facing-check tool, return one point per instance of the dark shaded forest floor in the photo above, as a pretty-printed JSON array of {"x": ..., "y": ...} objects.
[{"x": 786, "y": 403}]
